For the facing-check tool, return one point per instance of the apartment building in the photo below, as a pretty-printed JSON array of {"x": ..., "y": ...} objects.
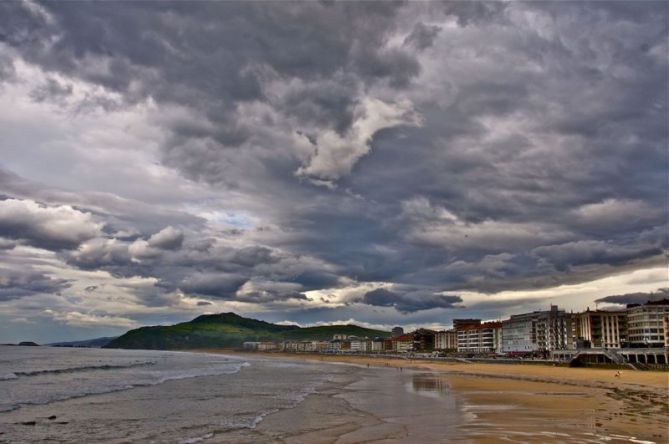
[
  {"x": 601, "y": 329},
  {"x": 482, "y": 338},
  {"x": 446, "y": 340},
  {"x": 646, "y": 325},
  {"x": 539, "y": 331},
  {"x": 402, "y": 344}
]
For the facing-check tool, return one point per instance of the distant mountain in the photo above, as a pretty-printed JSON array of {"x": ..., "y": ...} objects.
[
  {"x": 88, "y": 343},
  {"x": 227, "y": 330}
]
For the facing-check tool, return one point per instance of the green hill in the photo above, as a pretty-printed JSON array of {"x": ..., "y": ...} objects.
[{"x": 227, "y": 330}]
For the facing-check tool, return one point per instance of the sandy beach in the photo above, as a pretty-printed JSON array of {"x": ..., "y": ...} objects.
[
  {"x": 219, "y": 396},
  {"x": 526, "y": 403}
]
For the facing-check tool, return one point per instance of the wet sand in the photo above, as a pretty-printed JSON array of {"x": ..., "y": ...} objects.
[{"x": 494, "y": 402}]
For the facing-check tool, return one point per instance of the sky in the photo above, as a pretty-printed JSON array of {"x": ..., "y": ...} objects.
[{"x": 378, "y": 163}]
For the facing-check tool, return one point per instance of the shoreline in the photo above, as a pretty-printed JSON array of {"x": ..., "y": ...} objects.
[
  {"x": 653, "y": 381},
  {"x": 592, "y": 402}
]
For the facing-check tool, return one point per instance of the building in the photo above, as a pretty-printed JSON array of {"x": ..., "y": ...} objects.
[
  {"x": 339, "y": 337},
  {"x": 482, "y": 338},
  {"x": 459, "y": 324},
  {"x": 423, "y": 340},
  {"x": 446, "y": 340},
  {"x": 518, "y": 334},
  {"x": 402, "y": 344},
  {"x": 303, "y": 346},
  {"x": 334, "y": 346},
  {"x": 601, "y": 329},
  {"x": 646, "y": 324},
  {"x": 377, "y": 345},
  {"x": 397, "y": 331},
  {"x": 360, "y": 345},
  {"x": 539, "y": 331},
  {"x": 268, "y": 346},
  {"x": 665, "y": 326}
]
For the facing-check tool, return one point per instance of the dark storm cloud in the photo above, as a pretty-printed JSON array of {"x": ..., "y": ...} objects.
[
  {"x": 422, "y": 35},
  {"x": 222, "y": 63},
  {"x": 15, "y": 284},
  {"x": 636, "y": 298},
  {"x": 435, "y": 147},
  {"x": 218, "y": 285},
  {"x": 409, "y": 301},
  {"x": 252, "y": 256}
]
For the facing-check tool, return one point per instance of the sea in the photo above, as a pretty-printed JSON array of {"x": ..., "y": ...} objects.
[
  {"x": 102, "y": 395},
  {"x": 80, "y": 395}
]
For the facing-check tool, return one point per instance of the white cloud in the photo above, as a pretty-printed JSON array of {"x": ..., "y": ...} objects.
[
  {"x": 335, "y": 155},
  {"x": 46, "y": 226}
]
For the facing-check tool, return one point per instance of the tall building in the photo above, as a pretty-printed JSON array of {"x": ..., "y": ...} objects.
[
  {"x": 519, "y": 334},
  {"x": 446, "y": 340},
  {"x": 539, "y": 331},
  {"x": 482, "y": 338},
  {"x": 397, "y": 331},
  {"x": 645, "y": 327},
  {"x": 601, "y": 329}
]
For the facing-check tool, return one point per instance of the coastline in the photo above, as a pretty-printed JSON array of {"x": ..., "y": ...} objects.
[
  {"x": 528, "y": 403},
  {"x": 652, "y": 381}
]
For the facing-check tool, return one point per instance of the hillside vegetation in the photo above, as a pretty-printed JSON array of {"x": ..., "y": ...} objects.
[{"x": 227, "y": 330}]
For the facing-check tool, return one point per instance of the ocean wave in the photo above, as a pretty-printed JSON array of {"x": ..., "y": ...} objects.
[
  {"x": 85, "y": 368},
  {"x": 8, "y": 376},
  {"x": 159, "y": 378},
  {"x": 195, "y": 439}
]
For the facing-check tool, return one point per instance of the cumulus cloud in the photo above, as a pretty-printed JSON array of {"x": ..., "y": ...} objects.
[
  {"x": 269, "y": 291},
  {"x": 99, "y": 253},
  {"x": 15, "y": 284},
  {"x": 59, "y": 227},
  {"x": 169, "y": 238}
]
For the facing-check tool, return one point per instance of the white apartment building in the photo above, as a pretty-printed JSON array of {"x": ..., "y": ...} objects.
[
  {"x": 446, "y": 340},
  {"x": 361, "y": 345},
  {"x": 645, "y": 324},
  {"x": 377, "y": 345}
]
